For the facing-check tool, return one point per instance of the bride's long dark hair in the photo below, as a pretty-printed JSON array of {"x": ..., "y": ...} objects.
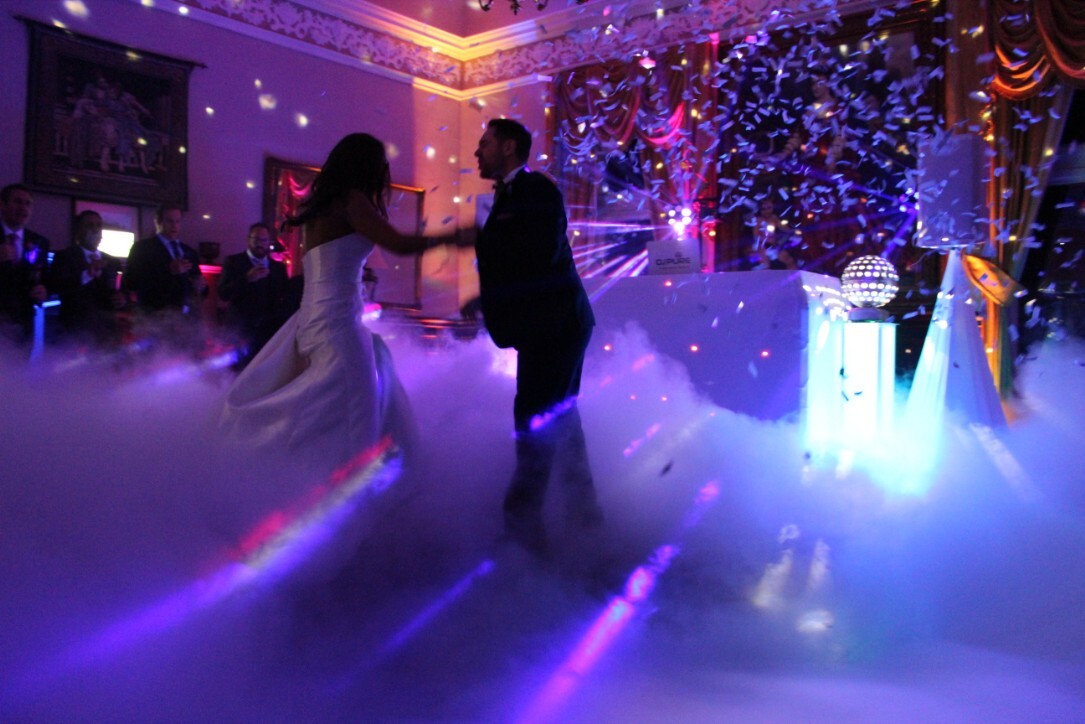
[{"x": 359, "y": 162}]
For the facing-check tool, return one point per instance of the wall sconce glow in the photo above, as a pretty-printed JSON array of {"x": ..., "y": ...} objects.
[
  {"x": 147, "y": 3},
  {"x": 133, "y": 56},
  {"x": 183, "y": 10},
  {"x": 250, "y": 184},
  {"x": 207, "y": 217},
  {"x": 258, "y": 83},
  {"x": 267, "y": 102},
  {"x": 869, "y": 282},
  {"x": 209, "y": 111},
  {"x": 430, "y": 152},
  {"x": 76, "y": 8},
  {"x": 58, "y": 24},
  {"x": 301, "y": 120},
  {"x": 182, "y": 149}
]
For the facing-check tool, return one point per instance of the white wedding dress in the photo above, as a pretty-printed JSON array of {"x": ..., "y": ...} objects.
[{"x": 323, "y": 389}]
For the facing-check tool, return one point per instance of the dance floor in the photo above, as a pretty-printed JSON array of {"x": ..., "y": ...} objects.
[{"x": 147, "y": 576}]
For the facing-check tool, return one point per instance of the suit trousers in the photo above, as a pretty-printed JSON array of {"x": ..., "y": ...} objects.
[{"x": 547, "y": 427}]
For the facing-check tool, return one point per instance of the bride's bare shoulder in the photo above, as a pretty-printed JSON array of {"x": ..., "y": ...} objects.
[{"x": 326, "y": 228}]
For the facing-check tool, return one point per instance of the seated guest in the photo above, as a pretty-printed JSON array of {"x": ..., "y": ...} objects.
[
  {"x": 162, "y": 272},
  {"x": 87, "y": 282},
  {"x": 24, "y": 259},
  {"x": 256, "y": 288}
]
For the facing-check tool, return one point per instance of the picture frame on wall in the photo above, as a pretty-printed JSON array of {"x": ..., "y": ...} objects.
[
  {"x": 104, "y": 121},
  {"x": 391, "y": 280}
]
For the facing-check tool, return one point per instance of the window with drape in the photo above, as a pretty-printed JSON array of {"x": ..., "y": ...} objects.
[
  {"x": 809, "y": 131},
  {"x": 634, "y": 146},
  {"x": 1039, "y": 51}
]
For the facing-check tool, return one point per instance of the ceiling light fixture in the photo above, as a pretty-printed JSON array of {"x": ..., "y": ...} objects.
[{"x": 516, "y": 4}]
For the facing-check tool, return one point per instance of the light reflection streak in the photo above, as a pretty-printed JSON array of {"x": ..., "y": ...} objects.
[
  {"x": 621, "y": 609},
  {"x": 275, "y": 547},
  {"x": 590, "y": 250},
  {"x": 417, "y": 624},
  {"x": 632, "y": 266},
  {"x": 431, "y": 611},
  {"x": 1012, "y": 470}
]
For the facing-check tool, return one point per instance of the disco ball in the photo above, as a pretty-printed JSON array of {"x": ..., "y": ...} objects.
[{"x": 869, "y": 281}]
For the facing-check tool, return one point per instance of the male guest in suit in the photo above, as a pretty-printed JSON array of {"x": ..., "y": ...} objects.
[
  {"x": 86, "y": 280},
  {"x": 24, "y": 260},
  {"x": 532, "y": 300},
  {"x": 162, "y": 272},
  {"x": 255, "y": 285}
]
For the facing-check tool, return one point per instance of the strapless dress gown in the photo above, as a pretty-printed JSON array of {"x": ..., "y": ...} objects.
[{"x": 324, "y": 388}]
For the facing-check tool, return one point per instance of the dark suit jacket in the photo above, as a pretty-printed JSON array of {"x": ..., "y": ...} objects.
[
  {"x": 148, "y": 275},
  {"x": 529, "y": 289},
  {"x": 18, "y": 276},
  {"x": 84, "y": 307},
  {"x": 254, "y": 306}
]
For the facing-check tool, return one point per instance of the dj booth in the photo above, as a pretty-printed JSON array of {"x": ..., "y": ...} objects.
[{"x": 768, "y": 344}]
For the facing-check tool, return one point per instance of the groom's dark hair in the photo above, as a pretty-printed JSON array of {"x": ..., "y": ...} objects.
[{"x": 507, "y": 129}]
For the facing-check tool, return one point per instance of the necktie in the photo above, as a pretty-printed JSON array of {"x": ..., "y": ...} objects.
[
  {"x": 13, "y": 239},
  {"x": 177, "y": 254}
]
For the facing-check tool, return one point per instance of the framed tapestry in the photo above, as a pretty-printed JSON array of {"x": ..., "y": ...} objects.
[
  {"x": 391, "y": 280},
  {"x": 105, "y": 121}
]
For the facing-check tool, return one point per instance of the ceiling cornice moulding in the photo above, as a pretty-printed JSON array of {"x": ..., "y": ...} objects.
[
  {"x": 382, "y": 41},
  {"x": 472, "y": 47},
  {"x": 296, "y": 25}
]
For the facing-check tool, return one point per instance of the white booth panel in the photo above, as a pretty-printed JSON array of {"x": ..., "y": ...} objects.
[{"x": 751, "y": 341}]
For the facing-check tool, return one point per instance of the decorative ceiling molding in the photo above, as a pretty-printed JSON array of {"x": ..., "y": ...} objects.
[
  {"x": 389, "y": 44},
  {"x": 471, "y": 94},
  {"x": 473, "y": 47},
  {"x": 320, "y": 30},
  {"x": 721, "y": 20}
]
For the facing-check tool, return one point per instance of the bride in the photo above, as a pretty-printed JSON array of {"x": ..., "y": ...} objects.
[{"x": 324, "y": 388}]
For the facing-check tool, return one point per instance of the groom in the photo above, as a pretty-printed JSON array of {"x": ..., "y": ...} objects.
[{"x": 532, "y": 300}]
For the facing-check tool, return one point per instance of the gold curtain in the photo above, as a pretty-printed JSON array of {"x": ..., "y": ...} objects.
[{"x": 1039, "y": 48}]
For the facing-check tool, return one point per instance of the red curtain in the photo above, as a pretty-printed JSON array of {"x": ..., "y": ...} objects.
[
  {"x": 655, "y": 110},
  {"x": 291, "y": 185}
]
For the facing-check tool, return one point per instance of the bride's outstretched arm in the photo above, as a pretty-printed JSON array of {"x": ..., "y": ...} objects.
[{"x": 366, "y": 220}]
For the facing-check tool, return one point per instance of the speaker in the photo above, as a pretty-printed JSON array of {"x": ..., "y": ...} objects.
[{"x": 952, "y": 191}]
